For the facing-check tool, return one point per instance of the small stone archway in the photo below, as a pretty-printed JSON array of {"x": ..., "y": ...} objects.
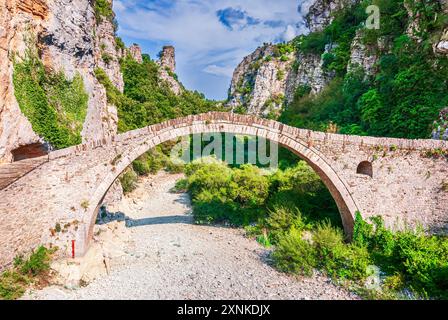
[
  {"x": 365, "y": 168},
  {"x": 337, "y": 187}
]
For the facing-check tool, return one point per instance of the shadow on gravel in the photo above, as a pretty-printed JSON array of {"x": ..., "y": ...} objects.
[
  {"x": 107, "y": 217},
  {"x": 131, "y": 223}
]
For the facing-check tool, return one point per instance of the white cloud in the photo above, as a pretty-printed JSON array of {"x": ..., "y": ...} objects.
[
  {"x": 290, "y": 33},
  {"x": 203, "y": 44},
  {"x": 219, "y": 71}
]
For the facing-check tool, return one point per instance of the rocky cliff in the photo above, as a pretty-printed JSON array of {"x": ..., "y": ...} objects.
[
  {"x": 167, "y": 71},
  {"x": 73, "y": 38},
  {"x": 321, "y": 13},
  {"x": 15, "y": 17},
  {"x": 255, "y": 83},
  {"x": 267, "y": 79},
  {"x": 259, "y": 82}
]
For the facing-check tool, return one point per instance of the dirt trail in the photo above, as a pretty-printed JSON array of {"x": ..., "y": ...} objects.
[{"x": 169, "y": 257}]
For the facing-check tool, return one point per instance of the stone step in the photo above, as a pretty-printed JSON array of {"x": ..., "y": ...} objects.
[{"x": 11, "y": 172}]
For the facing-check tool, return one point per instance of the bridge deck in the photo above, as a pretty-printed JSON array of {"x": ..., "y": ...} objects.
[{"x": 11, "y": 172}]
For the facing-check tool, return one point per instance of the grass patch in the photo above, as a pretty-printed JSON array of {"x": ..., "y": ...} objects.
[{"x": 24, "y": 273}]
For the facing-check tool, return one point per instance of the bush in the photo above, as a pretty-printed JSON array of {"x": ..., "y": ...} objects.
[
  {"x": 107, "y": 58},
  {"x": 12, "y": 285},
  {"x": 300, "y": 187},
  {"x": 141, "y": 166},
  {"x": 249, "y": 187},
  {"x": 129, "y": 180},
  {"x": 247, "y": 194},
  {"x": 181, "y": 186},
  {"x": 314, "y": 43},
  {"x": 294, "y": 255},
  {"x": 13, "y": 282},
  {"x": 213, "y": 177},
  {"x": 331, "y": 250},
  {"x": 103, "y": 9},
  {"x": 37, "y": 263},
  {"x": 281, "y": 220},
  {"x": 420, "y": 261}
]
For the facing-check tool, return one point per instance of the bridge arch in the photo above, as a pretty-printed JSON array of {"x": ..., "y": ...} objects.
[
  {"x": 141, "y": 141},
  {"x": 67, "y": 186}
]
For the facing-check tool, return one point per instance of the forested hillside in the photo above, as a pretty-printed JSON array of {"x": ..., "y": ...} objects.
[
  {"x": 349, "y": 79},
  {"x": 146, "y": 99}
]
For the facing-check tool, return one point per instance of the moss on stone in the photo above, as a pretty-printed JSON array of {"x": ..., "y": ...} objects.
[{"x": 55, "y": 105}]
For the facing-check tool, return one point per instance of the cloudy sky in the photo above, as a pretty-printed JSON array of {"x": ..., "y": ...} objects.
[{"x": 211, "y": 36}]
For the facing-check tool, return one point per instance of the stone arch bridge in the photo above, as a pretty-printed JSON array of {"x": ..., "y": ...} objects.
[{"x": 405, "y": 181}]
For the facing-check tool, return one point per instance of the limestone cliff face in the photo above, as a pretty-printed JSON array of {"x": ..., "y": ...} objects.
[
  {"x": 15, "y": 17},
  {"x": 74, "y": 41},
  {"x": 321, "y": 13},
  {"x": 256, "y": 86},
  {"x": 107, "y": 54},
  {"x": 167, "y": 71},
  {"x": 310, "y": 73},
  {"x": 363, "y": 56},
  {"x": 136, "y": 53},
  {"x": 259, "y": 82},
  {"x": 69, "y": 39},
  {"x": 263, "y": 87}
]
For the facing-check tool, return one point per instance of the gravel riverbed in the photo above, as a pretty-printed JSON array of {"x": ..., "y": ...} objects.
[{"x": 169, "y": 257}]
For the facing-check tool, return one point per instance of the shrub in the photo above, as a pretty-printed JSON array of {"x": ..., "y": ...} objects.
[
  {"x": 181, "y": 186},
  {"x": 129, "y": 180},
  {"x": 294, "y": 255},
  {"x": 13, "y": 282},
  {"x": 38, "y": 262},
  {"x": 283, "y": 219},
  {"x": 314, "y": 43},
  {"x": 120, "y": 45},
  {"x": 264, "y": 239},
  {"x": 249, "y": 186},
  {"x": 107, "y": 58},
  {"x": 211, "y": 177},
  {"x": 424, "y": 262},
  {"x": 12, "y": 285},
  {"x": 299, "y": 186},
  {"x": 338, "y": 259},
  {"x": 103, "y": 9},
  {"x": 420, "y": 261},
  {"x": 141, "y": 166},
  {"x": 280, "y": 75}
]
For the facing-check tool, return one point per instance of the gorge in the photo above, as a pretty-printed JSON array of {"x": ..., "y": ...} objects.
[{"x": 80, "y": 113}]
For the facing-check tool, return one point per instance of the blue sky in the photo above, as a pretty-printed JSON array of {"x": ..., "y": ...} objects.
[{"x": 211, "y": 36}]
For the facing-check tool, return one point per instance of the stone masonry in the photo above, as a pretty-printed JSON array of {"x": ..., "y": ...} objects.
[{"x": 406, "y": 181}]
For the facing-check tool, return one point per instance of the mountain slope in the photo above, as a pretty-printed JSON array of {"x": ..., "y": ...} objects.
[{"x": 350, "y": 79}]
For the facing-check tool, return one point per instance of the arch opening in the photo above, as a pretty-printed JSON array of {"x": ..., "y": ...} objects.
[
  {"x": 365, "y": 168},
  {"x": 150, "y": 139},
  {"x": 30, "y": 151}
]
